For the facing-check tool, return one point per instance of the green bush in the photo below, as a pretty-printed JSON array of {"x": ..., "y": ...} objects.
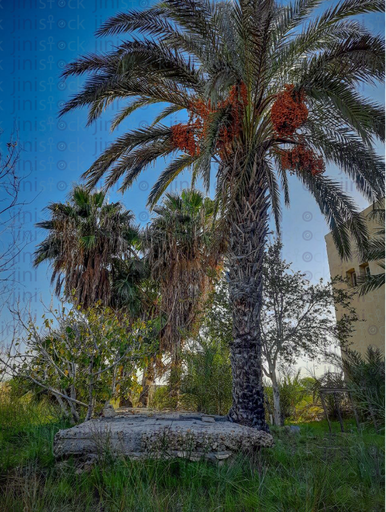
[
  {"x": 298, "y": 399},
  {"x": 365, "y": 377},
  {"x": 81, "y": 358},
  {"x": 207, "y": 381},
  {"x": 160, "y": 399}
]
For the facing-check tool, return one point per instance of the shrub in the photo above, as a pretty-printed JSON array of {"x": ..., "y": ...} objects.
[
  {"x": 207, "y": 380},
  {"x": 365, "y": 376},
  {"x": 298, "y": 399},
  {"x": 82, "y": 359},
  {"x": 160, "y": 399}
]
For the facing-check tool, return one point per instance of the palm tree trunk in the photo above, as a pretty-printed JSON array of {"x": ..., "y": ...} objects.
[{"x": 248, "y": 235}]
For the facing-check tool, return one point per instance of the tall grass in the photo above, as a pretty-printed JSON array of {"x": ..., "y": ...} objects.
[
  {"x": 307, "y": 472},
  {"x": 26, "y": 430}
]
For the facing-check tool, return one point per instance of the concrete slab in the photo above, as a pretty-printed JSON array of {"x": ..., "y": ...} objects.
[{"x": 145, "y": 435}]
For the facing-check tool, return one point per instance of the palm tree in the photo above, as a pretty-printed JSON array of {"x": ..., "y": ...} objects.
[
  {"x": 87, "y": 244},
  {"x": 269, "y": 90},
  {"x": 129, "y": 285},
  {"x": 183, "y": 254}
]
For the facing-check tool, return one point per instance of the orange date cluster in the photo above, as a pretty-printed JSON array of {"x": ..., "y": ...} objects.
[
  {"x": 288, "y": 113},
  {"x": 301, "y": 157},
  {"x": 187, "y": 137}
]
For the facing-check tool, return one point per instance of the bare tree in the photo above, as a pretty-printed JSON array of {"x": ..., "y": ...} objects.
[
  {"x": 11, "y": 207},
  {"x": 298, "y": 319}
]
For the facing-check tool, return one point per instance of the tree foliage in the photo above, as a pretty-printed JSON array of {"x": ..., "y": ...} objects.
[
  {"x": 298, "y": 318},
  {"x": 205, "y": 58},
  {"x": 365, "y": 377},
  {"x": 81, "y": 358},
  {"x": 183, "y": 254},
  {"x": 87, "y": 241},
  {"x": 207, "y": 379}
]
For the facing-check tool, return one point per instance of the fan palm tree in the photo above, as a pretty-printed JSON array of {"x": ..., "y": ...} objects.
[
  {"x": 183, "y": 254},
  {"x": 269, "y": 90},
  {"x": 86, "y": 246},
  {"x": 129, "y": 285}
]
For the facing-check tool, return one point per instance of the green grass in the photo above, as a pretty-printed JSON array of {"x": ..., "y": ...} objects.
[{"x": 309, "y": 472}]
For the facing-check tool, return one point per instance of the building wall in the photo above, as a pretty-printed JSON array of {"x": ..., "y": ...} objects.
[{"x": 370, "y": 307}]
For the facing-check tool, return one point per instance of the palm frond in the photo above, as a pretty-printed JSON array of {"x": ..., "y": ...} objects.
[
  {"x": 123, "y": 146},
  {"x": 358, "y": 161},
  {"x": 153, "y": 21},
  {"x": 373, "y": 282},
  {"x": 171, "y": 109},
  {"x": 175, "y": 168},
  {"x": 273, "y": 188},
  {"x": 292, "y": 14},
  {"x": 129, "y": 109},
  {"x": 341, "y": 213},
  {"x": 136, "y": 162}
]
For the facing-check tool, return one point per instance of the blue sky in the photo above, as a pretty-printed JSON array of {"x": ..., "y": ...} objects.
[{"x": 37, "y": 39}]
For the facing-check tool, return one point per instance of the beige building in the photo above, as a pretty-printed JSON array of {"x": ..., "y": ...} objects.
[{"x": 370, "y": 307}]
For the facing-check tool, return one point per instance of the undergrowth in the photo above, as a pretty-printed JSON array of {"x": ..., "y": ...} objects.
[{"x": 307, "y": 472}]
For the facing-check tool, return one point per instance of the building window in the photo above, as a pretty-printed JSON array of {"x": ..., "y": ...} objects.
[
  {"x": 352, "y": 277},
  {"x": 365, "y": 270}
]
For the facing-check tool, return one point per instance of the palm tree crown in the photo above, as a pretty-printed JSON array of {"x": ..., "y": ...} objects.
[
  {"x": 87, "y": 240},
  {"x": 194, "y": 54},
  {"x": 183, "y": 255}
]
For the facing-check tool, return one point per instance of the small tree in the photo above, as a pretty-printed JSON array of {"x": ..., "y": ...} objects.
[
  {"x": 183, "y": 252},
  {"x": 11, "y": 209},
  {"x": 297, "y": 318},
  {"x": 88, "y": 240},
  {"x": 77, "y": 356}
]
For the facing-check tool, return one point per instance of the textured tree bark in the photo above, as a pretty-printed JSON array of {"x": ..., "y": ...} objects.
[{"x": 248, "y": 235}]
